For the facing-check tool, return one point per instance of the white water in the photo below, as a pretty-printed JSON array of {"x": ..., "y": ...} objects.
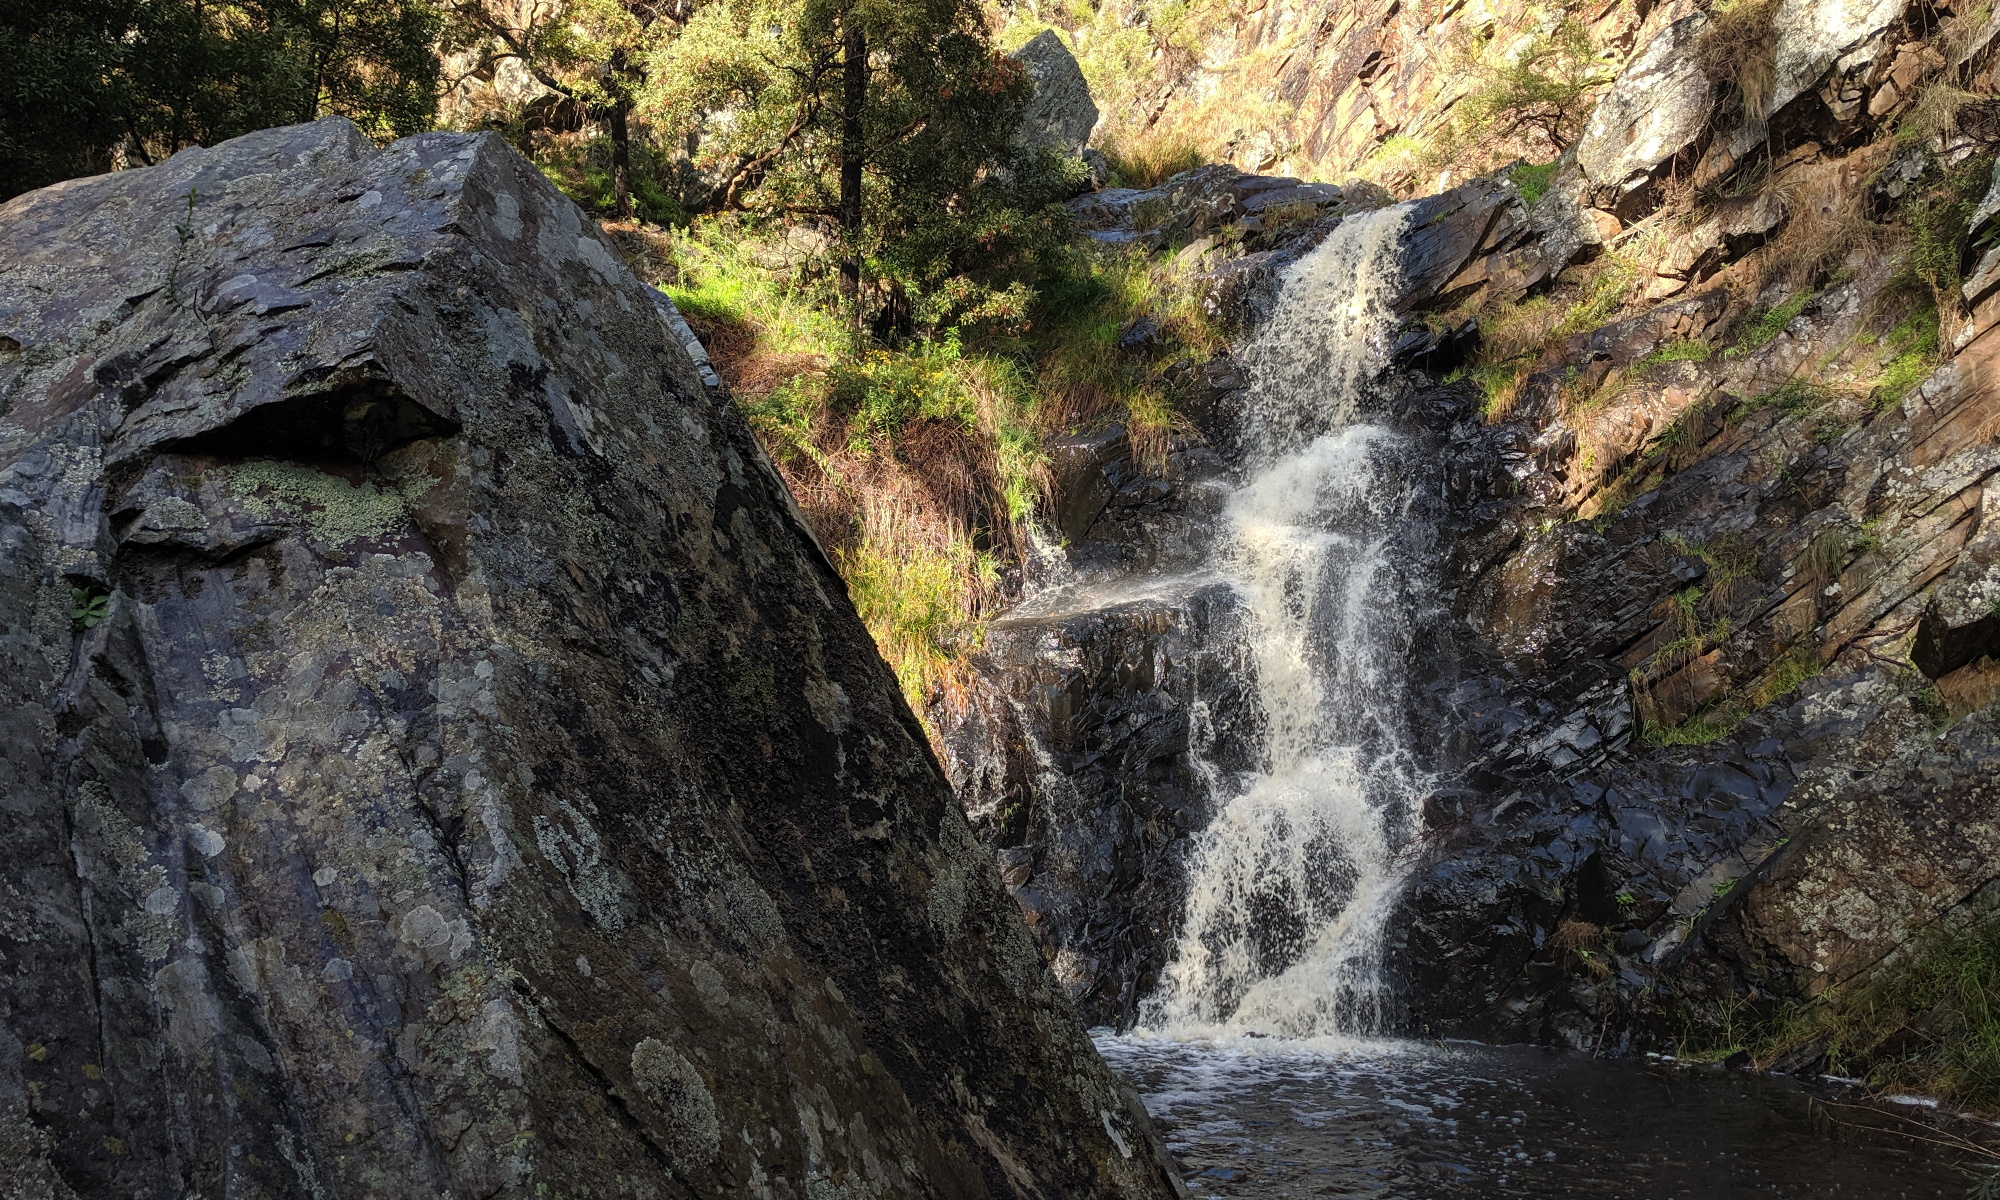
[{"x": 1290, "y": 883}]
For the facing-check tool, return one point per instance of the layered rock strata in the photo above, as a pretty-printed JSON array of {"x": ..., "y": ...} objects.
[{"x": 1713, "y": 713}]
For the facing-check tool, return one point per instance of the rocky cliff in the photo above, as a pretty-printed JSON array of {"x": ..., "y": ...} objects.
[
  {"x": 1711, "y": 691},
  {"x": 438, "y": 761}
]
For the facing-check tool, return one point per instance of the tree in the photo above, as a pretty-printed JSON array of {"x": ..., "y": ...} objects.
[
  {"x": 61, "y": 96},
  {"x": 1540, "y": 87},
  {"x": 88, "y": 80},
  {"x": 891, "y": 119},
  {"x": 591, "y": 51}
]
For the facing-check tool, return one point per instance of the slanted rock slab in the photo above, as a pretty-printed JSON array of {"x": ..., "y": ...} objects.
[{"x": 437, "y": 759}]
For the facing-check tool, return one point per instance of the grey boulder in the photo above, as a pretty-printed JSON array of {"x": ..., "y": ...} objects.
[
  {"x": 436, "y": 759},
  {"x": 1061, "y": 114}
]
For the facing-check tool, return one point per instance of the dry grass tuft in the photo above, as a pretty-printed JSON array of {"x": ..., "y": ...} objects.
[{"x": 1739, "y": 47}]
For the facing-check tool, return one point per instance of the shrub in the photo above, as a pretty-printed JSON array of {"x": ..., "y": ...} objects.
[
  {"x": 1939, "y": 216},
  {"x": 1533, "y": 179}
]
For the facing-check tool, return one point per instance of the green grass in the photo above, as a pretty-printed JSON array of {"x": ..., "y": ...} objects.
[
  {"x": 1603, "y": 295},
  {"x": 1913, "y": 345},
  {"x": 1764, "y": 328},
  {"x": 1533, "y": 179},
  {"x": 1928, "y": 1024},
  {"x": 1684, "y": 350},
  {"x": 1700, "y": 729},
  {"x": 919, "y": 598},
  {"x": 1795, "y": 397},
  {"x": 721, "y": 280}
]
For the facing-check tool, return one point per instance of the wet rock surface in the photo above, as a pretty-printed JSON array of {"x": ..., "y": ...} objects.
[{"x": 437, "y": 758}]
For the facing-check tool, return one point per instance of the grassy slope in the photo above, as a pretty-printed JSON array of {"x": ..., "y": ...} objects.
[{"x": 920, "y": 464}]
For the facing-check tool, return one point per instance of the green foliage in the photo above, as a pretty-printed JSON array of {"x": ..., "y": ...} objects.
[
  {"x": 1928, "y": 1023},
  {"x": 918, "y": 459},
  {"x": 154, "y": 76},
  {"x": 1603, "y": 294},
  {"x": 1764, "y": 327},
  {"x": 1795, "y": 664},
  {"x": 1939, "y": 215},
  {"x": 1795, "y": 397},
  {"x": 584, "y": 173},
  {"x": 720, "y": 280},
  {"x": 1541, "y": 86},
  {"x": 918, "y": 598},
  {"x": 1684, "y": 350},
  {"x": 952, "y": 212},
  {"x": 1913, "y": 346},
  {"x": 88, "y": 607},
  {"x": 1533, "y": 179},
  {"x": 1701, "y": 729}
]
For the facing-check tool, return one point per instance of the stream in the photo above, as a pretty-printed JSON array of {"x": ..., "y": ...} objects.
[{"x": 1418, "y": 1121}]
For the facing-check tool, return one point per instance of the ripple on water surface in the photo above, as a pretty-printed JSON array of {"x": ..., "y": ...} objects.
[{"x": 1418, "y": 1121}]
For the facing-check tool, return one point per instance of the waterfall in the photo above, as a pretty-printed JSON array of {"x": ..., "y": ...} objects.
[{"x": 1289, "y": 884}]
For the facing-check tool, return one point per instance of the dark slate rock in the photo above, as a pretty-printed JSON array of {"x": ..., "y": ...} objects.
[{"x": 478, "y": 782}]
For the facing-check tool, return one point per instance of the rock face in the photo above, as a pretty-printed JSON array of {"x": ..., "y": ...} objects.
[
  {"x": 437, "y": 759},
  {"x": 1713, "y": 714},
  {"x": 1657, "y": 106}
]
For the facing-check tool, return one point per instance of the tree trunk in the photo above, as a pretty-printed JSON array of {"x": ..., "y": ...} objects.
[
  {"x": 621, "y": 142},
  {"x": 621, "y": 160},
  {"x": 853, "y": 149}
]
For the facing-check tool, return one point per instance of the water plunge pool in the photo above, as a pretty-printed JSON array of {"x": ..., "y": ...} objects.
[{"x": 1423, "y": 1121}]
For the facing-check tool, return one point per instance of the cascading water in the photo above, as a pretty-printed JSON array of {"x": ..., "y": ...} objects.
[{"x": 1289, "y": 884}]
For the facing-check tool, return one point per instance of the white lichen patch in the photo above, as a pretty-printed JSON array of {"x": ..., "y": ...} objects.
[
  {"x": 333, "y": 511},
  {"x": 573, "y": 848},
  {"x": 680, "y": 1102}
]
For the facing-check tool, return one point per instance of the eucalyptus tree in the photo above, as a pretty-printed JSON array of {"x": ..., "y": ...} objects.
[
  {"x": 891, "y": 119},
  {"x": 594, "y": 52}
]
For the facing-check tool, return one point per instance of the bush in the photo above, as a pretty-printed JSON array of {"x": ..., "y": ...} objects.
[
  {"x": 1939, "y": 216},
  {"x": 583, "y": 173}
]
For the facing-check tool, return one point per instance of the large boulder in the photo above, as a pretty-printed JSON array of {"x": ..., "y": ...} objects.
[
  {"x": 436, "y": 758},
  {"x": 1061, "y": 113}
]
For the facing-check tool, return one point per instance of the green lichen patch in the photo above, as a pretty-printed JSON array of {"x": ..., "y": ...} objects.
[{"x": 333, "y": 511}]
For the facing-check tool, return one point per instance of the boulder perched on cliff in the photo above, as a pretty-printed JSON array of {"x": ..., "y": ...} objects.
[
  {"x": 1061, "y": 114},
  {"x": 437, "y": 759}
]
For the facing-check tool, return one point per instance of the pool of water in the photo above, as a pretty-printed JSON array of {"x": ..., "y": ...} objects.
[{"x": 1270, "y": 1118}]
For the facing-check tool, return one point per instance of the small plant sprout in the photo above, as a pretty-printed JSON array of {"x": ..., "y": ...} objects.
[{"x": 87, "y": 607}]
